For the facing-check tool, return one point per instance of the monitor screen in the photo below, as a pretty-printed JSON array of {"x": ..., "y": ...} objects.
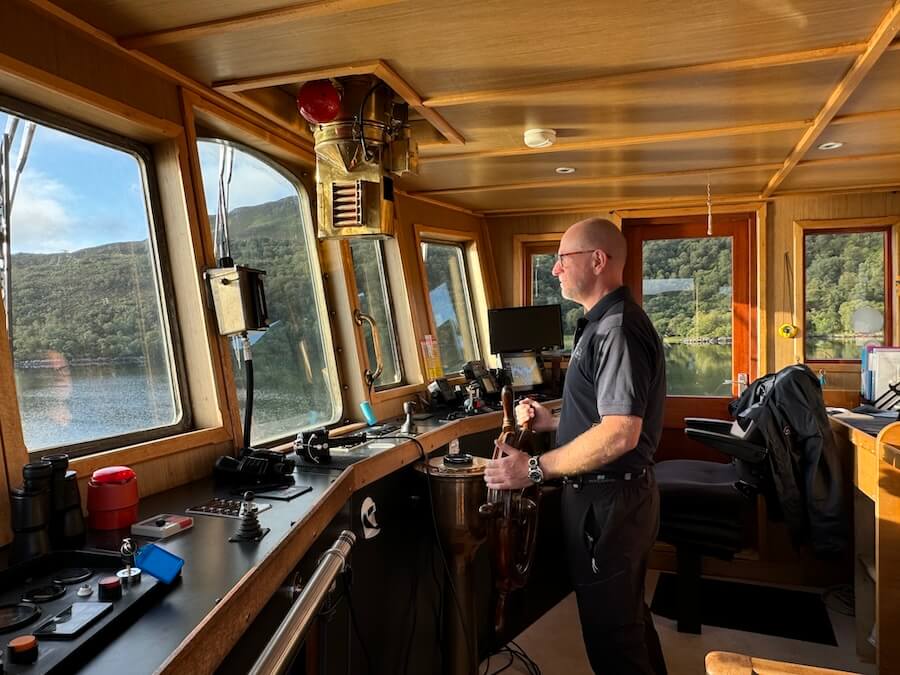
[
  {"x": 516, "y": 329},
  {"x": 525, "y": 373}
]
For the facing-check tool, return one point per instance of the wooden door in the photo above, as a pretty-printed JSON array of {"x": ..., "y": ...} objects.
[{"x": 699, "y": 291}]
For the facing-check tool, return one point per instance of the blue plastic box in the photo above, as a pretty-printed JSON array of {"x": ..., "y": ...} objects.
[{"x": 158, "y": 562}]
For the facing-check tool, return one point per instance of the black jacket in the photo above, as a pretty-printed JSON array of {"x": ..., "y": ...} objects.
[{"x": 789, "y": 412}]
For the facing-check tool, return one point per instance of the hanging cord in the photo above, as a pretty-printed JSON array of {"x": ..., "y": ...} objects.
[
  {"x": 708, "y": 207},
  {"x": 789, "y": 284}
]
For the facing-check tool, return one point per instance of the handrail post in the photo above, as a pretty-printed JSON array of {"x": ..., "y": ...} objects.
[{"x": 281, "y": 649}]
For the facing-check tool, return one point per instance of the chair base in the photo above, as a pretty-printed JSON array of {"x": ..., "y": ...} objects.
[{"x": 688, "y": 590}]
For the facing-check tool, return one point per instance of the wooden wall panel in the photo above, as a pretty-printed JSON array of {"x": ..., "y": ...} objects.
[{"x": 37, "y": 40}]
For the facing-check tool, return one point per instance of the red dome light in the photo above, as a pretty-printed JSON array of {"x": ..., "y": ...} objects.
[{"x": 318, "y": 101}]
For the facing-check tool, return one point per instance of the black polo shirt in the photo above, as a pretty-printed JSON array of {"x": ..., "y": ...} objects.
[{"x": 617, "y": 368}]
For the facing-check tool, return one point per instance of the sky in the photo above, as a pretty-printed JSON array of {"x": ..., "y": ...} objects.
[{"x": 75, "y": 193}]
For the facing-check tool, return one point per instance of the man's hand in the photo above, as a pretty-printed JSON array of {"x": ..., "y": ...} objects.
[
  {"x": 509, "y": 472},
  {"x": 542, "y": 418}
]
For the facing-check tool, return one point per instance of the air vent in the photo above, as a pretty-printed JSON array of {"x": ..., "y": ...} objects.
[{"x": 347, "y": 204}]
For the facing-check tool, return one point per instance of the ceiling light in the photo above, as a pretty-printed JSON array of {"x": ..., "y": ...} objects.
[
  {"x": 540, "y": 138},
  {"x": 565, "y": 169},
  {"x": 831, "y": 145}
]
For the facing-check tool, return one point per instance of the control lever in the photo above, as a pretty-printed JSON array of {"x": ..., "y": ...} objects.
[
  {"x": 130, "y": 574},
  {"x": 250, "y": 529},
  {"x": 409, "y": 426}
]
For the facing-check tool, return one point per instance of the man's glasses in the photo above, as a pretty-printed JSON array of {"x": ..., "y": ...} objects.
[{"x": 560, "y": 256}]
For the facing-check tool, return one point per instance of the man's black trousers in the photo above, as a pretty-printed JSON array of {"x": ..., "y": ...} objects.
[{"x": 609, "y": 528}]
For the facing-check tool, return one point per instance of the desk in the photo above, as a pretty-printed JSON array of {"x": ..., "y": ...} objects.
[
  {"x": 876, "y": 479},
  {"x": 728, "y": 663}
]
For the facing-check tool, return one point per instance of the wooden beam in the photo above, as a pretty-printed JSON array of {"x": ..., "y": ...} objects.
[
  {"x": 873, "y": 116},
  {"x": 390, "y": 77},
  {"x": 437, "y": 202},
  {"x": 599, "y": 180},
  {"x": 378, "y": 68},
  {"x": 601, "y": 143},
  {"x": 883, "y": 157},
  {"x": 69, "y": 19},
  {"x": 876, "y": 46},
  {"x": 620, "y": 204},
  {"x": 270, "y": 17},
  {"x": 296, "y": 76},
  {"x": 652, "y": 75}
]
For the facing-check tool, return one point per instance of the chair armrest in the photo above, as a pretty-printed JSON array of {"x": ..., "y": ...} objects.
[
  {"x": 708, "y": 424},
  {"x": 736, "y": 447}
]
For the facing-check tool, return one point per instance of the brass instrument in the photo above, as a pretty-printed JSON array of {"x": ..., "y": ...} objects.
[{"x": 511, "y": 518}]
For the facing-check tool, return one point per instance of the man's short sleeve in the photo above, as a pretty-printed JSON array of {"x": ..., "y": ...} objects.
[{"x": 623, "y": 374}]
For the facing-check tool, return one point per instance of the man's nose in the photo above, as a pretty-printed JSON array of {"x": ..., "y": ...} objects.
[{"x": 557, "y": 268}]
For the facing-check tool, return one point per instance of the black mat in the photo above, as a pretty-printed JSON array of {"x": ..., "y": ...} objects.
[{"x": 757, "y": 609}]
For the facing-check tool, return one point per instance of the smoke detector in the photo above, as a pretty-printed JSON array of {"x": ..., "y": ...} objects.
[
  {"x": 540, "y": 138},
  {"x": 831, "y": 145}
]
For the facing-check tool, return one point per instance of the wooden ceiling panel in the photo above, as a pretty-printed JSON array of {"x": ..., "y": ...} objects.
[
  {"x": 614, "y": 194},
  {"x": 848, "y": 174},
  {"x": 874, "y": 136},
  {"x": 729, "y": 99},
  {"x": 880, "y": 90},
  {"x": 653, "y": 158},
  {"x": 443, "y": 47}
]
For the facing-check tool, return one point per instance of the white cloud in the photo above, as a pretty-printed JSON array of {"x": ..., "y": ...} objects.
[{"x": 41, "y": 217}]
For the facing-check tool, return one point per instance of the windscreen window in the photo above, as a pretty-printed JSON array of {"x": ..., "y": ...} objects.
[
  {"x": 260, "y": 217},
  {"x": 83, "y": 288},
  {"x": 451, "y": 306}
]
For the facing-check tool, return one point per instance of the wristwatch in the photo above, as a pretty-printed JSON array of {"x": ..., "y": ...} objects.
[{"x": 535, "y": 472}]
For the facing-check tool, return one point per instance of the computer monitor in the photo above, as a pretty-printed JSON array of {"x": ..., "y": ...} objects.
[
  {"x": 524, "y": 370},
  {"x": 517, "y": 329}
]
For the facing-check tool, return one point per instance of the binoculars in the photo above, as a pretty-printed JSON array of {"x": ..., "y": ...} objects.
[{"x": 46, "y": 510}]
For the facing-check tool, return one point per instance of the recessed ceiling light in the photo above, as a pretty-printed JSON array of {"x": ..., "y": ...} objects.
[
  {"x": 539, "y": 138},
  {"x": 565, "y": 169},
  {"x": 831, "y": 145}
]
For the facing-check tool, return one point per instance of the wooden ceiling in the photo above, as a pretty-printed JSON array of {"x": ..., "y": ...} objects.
[{"x": 651, "y": 99}]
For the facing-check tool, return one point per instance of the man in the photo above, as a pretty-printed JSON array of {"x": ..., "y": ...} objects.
[{"x": 608, "y": 430}]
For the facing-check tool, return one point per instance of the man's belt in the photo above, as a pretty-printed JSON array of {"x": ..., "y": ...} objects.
[{"x": 605, "y": 476}]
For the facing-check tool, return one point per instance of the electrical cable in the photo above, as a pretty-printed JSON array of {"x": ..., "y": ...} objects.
[
  {"x": 355, "y": 625},
  {"x": 359, "y": 121},
  {"x": 248, "y": 408},
  {"x": 459, "y": 610}
]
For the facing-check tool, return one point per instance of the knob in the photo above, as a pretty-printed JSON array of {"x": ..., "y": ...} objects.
[{"x": 22, "y": 649}]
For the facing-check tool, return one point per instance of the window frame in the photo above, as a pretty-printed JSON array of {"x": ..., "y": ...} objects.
[
  {"x": 468, "y": 247},
  {"x": 890, "y": 226},
  {"x": 353, "y": 292},
  {"x": 317, "y": 272},
  {"x": 170, "y": 325}
]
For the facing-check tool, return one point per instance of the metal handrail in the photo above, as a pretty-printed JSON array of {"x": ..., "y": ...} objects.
[{"x": 279, "y": 653}]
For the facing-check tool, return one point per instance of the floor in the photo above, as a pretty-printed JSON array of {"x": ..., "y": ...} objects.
[{"x": 554, "y": 643}]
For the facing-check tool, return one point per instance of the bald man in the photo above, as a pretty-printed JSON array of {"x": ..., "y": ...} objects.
[{"x": 607, "y": 433}]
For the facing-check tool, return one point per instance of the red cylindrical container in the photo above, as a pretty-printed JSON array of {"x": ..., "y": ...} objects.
[{"x": 112, "y": 498}]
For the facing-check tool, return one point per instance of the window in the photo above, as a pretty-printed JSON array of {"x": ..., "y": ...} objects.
[
  {"x": 545, "y": 290},
  {"x": 91, "y": 331},
  {"x": 375, "y": 300},
  {"x": 844, "y": 289},
  {"x": 451, "y": 306},
  {"x": 687, "y": 291},
  {"x": 264, "y": 222}
]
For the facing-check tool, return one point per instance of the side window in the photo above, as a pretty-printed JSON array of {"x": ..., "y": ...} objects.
[
  {"x": 544, "y": 290},
  {"x": 375, "y": 300},
  {"x": 451, "y": 305},
  {"x": 844, "y": 291},
  {"x": 84, "y": 290},
  {"x": 260, "y": 216}
]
